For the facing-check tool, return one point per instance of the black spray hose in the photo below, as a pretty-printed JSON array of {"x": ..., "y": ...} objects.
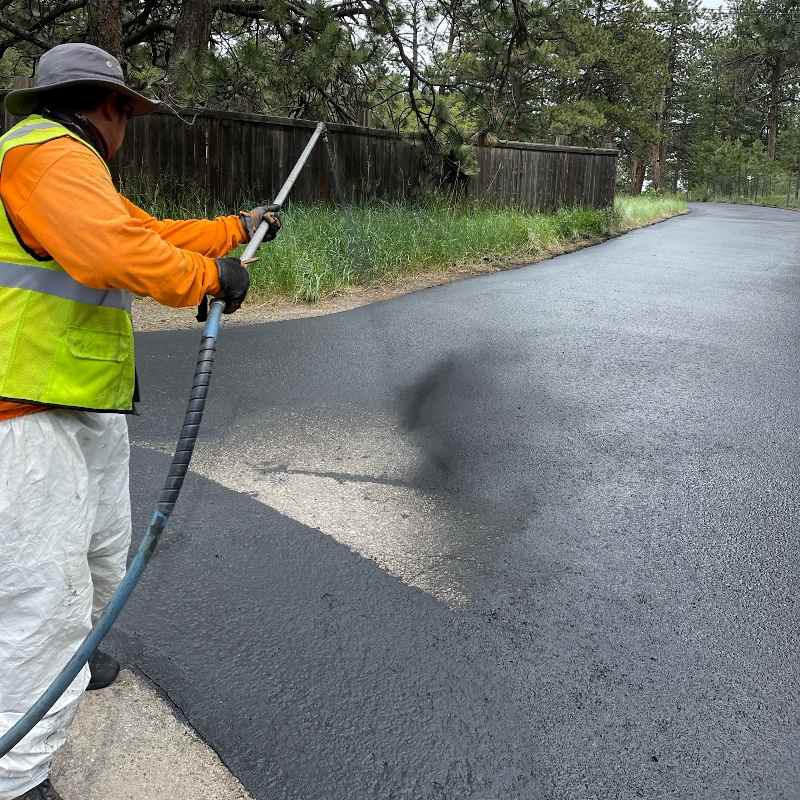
[
  {"x": 166, "y": 499},
  {"x": 192, "y": 419}
]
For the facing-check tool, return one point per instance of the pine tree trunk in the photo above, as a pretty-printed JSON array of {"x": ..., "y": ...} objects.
[
  {"x": 104, "y": 26},
  {"x": 638, "y": 167},
  {"x": 774, "y": 110},
  {"x": 665, "y": 109},
  {"x": 192, "y": 34},
  {"x": 772, "y": 124},
  {"x": 451, "y": 35},
  {"x": 588, "y": 78},
  {"x": 659, "y": 148},
  {"x": 415, "y": 41},
  {"x": 656, "y": 174}
]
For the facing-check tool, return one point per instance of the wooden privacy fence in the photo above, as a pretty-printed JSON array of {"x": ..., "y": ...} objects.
[
  {"x": 231, "y": 156},
  {"x": 544, "y": 176}
]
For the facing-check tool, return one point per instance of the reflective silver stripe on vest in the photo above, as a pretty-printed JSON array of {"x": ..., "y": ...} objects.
[
  {"x": 34, "y": 126},
  {"x": 59, "y": 284}
]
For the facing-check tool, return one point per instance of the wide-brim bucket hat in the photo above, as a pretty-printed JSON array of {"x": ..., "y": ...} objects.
[{"x": 76, "y": 64}]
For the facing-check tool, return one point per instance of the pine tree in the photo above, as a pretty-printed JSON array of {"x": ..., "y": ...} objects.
[
  {"x": 766, "y": 57},
  {"x": 677, "y": 23}
]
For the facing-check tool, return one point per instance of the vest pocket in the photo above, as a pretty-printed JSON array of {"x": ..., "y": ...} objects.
[
  {"x": 98, "y": 345},
  {"x": 93, "y": 369}
]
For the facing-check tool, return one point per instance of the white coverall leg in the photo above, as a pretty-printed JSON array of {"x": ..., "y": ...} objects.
[{"x": 64, "y": 537}]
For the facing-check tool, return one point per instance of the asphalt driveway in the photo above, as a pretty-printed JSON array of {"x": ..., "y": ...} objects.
[{"x": 528, "y": 535}]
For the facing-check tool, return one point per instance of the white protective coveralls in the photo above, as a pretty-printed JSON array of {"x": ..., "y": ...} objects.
[{"x": 65, "y": 529}]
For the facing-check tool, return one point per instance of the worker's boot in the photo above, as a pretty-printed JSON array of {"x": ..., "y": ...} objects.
[
  {"x": 104, "y": 670},
  {"x": 44, "y": 791}
]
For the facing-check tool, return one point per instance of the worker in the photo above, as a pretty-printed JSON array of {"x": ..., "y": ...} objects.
[{"x": 72, "y": 252}]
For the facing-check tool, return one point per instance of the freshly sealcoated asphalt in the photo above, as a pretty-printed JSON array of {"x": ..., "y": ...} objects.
[{"x": 529, "y": 535}]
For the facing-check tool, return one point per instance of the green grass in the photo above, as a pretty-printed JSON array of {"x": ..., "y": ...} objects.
[
  {"x": 324, "y": 250},
  {"x": 769, "y": 200},
  {"x": 644, "y": 209}
]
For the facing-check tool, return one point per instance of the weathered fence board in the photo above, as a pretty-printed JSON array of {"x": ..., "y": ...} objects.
[{"x": 231, "y": 156}]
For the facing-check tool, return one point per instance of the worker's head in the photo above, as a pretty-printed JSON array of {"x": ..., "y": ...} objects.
[
  {"x": 107, "y": 109},
  {"x": 83, "y": 79}
]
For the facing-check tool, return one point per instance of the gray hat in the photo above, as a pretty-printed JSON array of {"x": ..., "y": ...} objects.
[{"x": 74, "y": 65}]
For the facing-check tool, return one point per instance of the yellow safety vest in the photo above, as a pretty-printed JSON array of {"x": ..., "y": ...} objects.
[{"x": 61, "y": 343}]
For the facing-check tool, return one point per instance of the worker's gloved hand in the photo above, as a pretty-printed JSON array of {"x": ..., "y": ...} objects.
[
  {"x": 234, "y": 281},
  {"x": 252, "y": 219}
]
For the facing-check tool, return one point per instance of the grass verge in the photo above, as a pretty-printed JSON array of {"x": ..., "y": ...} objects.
[
  {"x": 766, "y": 201},
  {"x": 324, "y": 251}
]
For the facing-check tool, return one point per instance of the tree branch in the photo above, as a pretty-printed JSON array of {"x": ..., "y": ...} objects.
[
  {"x": 22, "y": 36},
  {"x": 144, "y": 33},
  {"x": 142, "y": 17}
]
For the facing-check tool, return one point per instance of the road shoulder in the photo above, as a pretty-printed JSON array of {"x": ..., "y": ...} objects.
[{"x": 127, "y": 743}]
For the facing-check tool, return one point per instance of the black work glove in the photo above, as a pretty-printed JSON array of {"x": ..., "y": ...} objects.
[
  {"x": 234, "y": 281},
  {"x": 252, "y": 219}
]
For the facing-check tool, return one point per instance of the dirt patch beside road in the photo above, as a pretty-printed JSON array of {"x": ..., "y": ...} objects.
[{"x": 148, "y": 315}]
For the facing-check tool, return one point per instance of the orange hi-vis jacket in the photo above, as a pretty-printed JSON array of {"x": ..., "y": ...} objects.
[{"x": 61, "y": 203}]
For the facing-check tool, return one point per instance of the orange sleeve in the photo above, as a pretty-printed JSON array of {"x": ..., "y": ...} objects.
[
  {"x": 74, "y": 213},
  {"x": 10, "y": 409},
  {"x": 210, "y": 237}
]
